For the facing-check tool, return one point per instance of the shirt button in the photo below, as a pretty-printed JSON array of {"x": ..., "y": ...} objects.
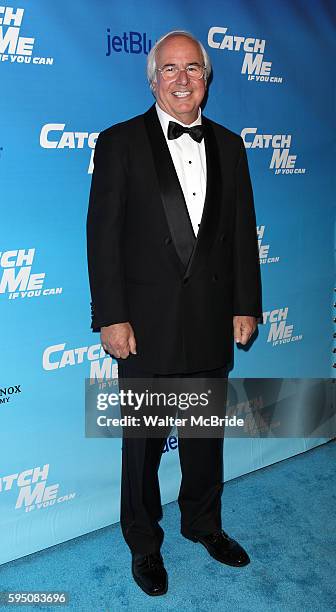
[
  {"x": 190, "y": 162},
  {"x": 194, "y": 193}
]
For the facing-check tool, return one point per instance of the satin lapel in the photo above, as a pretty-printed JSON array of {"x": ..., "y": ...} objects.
[
  {"x": 211, "y": 210},
  {"x": 177, "y": 215}
]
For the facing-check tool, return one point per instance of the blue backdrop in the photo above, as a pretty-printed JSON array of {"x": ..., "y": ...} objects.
[{"x": 69, "y": 70}]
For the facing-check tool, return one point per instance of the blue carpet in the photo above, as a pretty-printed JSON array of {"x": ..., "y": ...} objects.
[{"x": 284, "y": 515}]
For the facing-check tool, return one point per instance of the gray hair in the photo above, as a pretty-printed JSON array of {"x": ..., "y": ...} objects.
[{"x": 151, "y": 59}]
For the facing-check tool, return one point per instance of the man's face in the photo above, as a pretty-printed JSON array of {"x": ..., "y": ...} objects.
[{"x": 182, "y": 97}]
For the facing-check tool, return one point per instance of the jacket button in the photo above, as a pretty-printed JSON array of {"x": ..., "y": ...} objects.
[
  {"x": 168, "y": 240},
  {"x": 222, "y": 238},
  {"x": 185, "y": 281},
  {"x": 215, "y": 278}
]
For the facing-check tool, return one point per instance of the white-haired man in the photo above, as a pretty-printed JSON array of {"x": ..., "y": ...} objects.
[{"x": 174, "y": 276}]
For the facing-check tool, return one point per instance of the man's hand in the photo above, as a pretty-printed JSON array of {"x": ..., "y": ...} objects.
[
  {"x": 243, "y": 328},
  {"x": 118, "y": 340}
]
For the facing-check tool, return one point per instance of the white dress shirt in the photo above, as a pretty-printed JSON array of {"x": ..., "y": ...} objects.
[{"x": 190, "y": 164}]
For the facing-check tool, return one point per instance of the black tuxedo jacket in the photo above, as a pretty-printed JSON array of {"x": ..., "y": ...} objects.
[{"x": 147, "y": 267}]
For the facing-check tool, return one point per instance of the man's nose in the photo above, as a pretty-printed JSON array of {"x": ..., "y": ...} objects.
[{"x": 182, "y": 77}]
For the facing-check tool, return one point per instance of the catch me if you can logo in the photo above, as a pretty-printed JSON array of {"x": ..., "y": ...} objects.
[
  {"x": 58, "y": 356},
  {"x": 55, "y": 136},
  {"x": 254, "y": 65},
  {"x": 17, "y": 279},
  {"x": 33, "y": 492},
  {"x": 13, "y": 47},
  {"x": 280, "y": 330},
  {"x": 264, "y": 254},
  {"x": 281, "y": 161}
]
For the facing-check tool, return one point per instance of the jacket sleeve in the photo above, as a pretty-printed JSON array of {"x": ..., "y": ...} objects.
[
  {"x": 247, "y": 283},
  {"x": 105, "y": 222}
]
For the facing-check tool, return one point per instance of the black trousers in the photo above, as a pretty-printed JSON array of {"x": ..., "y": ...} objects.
[{"x": 199, "y": 498}]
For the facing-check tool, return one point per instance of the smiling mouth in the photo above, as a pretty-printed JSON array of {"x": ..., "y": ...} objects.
[{"x": 181, "y": 94}]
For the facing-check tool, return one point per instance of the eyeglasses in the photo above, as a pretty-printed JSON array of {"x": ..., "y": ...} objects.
[{"x": 170, "y": 71}]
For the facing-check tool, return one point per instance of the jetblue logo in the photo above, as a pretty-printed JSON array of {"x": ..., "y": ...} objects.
[{"x": 129, "y": 42}]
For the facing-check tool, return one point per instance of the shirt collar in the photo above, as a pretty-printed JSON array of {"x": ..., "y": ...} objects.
[{"x": 165, "y": 118}]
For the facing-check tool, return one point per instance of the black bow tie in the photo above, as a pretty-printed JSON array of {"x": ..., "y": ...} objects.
[{"x": 175, "y": 130}]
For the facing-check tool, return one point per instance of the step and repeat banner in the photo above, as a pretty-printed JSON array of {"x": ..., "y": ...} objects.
[{"x": 69, "y": 70}]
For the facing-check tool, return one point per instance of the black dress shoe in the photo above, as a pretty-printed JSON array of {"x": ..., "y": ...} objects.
[
  {"x": 149, "y": 573},
  {"x": 222, "y": 548}
]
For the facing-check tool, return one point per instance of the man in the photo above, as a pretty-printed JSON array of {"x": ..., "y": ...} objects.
[{"x": 174, "y": 276}]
